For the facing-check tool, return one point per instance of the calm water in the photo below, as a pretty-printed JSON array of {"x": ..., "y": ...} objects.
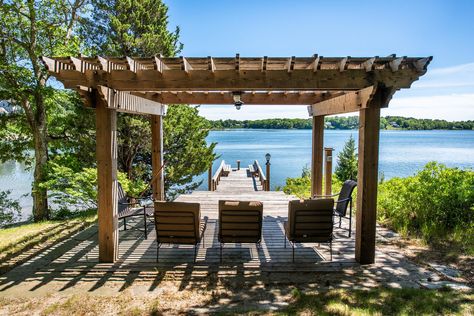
[{"x": 402, "y": 153}]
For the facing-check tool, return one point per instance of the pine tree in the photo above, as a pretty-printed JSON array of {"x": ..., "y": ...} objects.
[{"x": 347, "y": 161}]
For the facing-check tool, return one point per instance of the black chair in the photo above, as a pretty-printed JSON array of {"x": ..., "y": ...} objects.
[
  {"x": 128, "y": 208},
  {"x": 343, "y": 202}
]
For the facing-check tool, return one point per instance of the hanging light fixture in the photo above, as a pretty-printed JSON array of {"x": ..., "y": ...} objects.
[{"x": 237, "y": 99}]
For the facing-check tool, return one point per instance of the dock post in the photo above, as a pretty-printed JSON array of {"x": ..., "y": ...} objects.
[
  {"x": 267, "y": 186},
  {"x": 238, "y": 164},
  {"x": 209, "y": 179},
  {"x": 328, "y": 170}
]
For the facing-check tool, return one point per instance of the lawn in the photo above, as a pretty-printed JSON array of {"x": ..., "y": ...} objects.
[
  {"x": 17, "y": 240},
  {"x": 383, "y": 301}
]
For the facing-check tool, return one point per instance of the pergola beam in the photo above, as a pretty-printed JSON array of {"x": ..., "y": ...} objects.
[
  {"x": 260, "y": 98},
  {"x": 128, "y": 103},
  {"x": 349, "y": 102}
]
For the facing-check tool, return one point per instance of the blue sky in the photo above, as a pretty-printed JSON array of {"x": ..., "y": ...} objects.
[{"x": 443, "y": 29}]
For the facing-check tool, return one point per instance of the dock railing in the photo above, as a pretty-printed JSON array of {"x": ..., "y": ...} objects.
[
  {"x": 261, "y": 176},
  {"x": 217, "y": 176}
]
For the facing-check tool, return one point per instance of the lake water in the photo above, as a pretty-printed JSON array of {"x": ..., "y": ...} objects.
[{"x": 402, "y": 153}]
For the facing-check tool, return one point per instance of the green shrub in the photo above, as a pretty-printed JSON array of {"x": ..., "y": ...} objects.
[
  {"x": 301, "y": 186},
  {"x": 9, "y": 209},
  {"x": 437, "y": 202}
]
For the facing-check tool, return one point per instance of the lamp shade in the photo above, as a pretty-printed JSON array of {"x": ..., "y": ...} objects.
[{"x": 268, "y": 156}]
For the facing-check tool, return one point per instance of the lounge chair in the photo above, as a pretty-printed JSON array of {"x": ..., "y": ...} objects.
[
  {"x": 179, "y": 223},
  {"x": 128, "y": 208},
  {"x": 309, "y": 221},
  {"x": 240, "y": 222},
  {"x": 344, "y": 200}
]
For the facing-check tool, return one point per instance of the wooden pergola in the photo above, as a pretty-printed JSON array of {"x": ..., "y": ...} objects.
[{"x": 328, "y": 85}]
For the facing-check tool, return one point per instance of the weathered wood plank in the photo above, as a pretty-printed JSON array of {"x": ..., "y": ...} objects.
[
  {"x": 128, "y": 103},
  {"x": 349, "y": 102}
]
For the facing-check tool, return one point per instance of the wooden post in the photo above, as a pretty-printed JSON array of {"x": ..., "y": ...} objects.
[
  {"x": 328, "y": 170},
  {"x": 209, "y": 178},
  {"x": 238, "y": 164},
  {"x": 107, "y": 201},
  {"x": 267, "y": 182},
  {"x": 317, "y": 156},
  {"x": 158, "y": 184},
  {"x": 369, "y": 128}
]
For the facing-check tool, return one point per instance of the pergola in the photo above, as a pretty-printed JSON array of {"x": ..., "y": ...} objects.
[{"x": 328, "y": 85}]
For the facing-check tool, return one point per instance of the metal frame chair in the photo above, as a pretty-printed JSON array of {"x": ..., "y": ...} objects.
[
  {"x": 309, "y": 221},
  {"x": 126, "y": 209},
  {"x": 344, "y": 200},
  {"x": 179, "y": 223}
]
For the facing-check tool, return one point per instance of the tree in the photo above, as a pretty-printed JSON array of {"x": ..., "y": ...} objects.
[
  {"x": 9, "y": 208},
  {"x": 347, "y": 161},
  {"x": 140, "y": 29},
  {"x": 28, "y": 30}
]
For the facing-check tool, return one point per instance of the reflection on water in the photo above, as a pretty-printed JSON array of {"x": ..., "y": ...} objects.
[{"x": 402, "y": 153}]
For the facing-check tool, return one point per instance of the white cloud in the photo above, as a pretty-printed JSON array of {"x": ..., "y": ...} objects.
[{"x": 443, "y": 93}]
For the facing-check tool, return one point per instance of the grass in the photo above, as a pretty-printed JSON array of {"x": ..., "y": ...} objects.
[
  {"x": 382, "y": 301},
  {"x": 18, "y": 239}
]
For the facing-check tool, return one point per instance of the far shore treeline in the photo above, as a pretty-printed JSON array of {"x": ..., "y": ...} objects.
[{"x": 350, "y": 122}]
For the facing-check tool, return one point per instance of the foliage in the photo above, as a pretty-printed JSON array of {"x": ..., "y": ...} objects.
[
  {"x": 301, "y": 186},
  {"x": 347, "y": 162},
  {"x": 437, "y": 202},
  {"x": 131, "y": 28},
  {"x": 30, "y": 29},
  {"x": 187, "y": 154},
  {"x": 74, "y": 191},
  {"x": 344, "y": 122},
  {"x": 9, "y": 208}
]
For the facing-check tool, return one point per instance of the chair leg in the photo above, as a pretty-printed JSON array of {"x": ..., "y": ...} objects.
[
  {"x": 293, "y": 248},
  {"x": 340, "y": 221},
  {"x": 220, "y": 257},
  {"x": 158, "y": 252},
  {"x": 195, "y": 252},
  {"x": 124, "y": 223},
  {"x": 284, "y": 241},
  {"x": 330, "y": 249},
  {"x": 144, "y": 221},
  {"x": 350, "y": 222}
]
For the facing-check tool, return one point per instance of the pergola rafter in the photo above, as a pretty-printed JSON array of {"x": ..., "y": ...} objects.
[{"x": 328, "y": 85}]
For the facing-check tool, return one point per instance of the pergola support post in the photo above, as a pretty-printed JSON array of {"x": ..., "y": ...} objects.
[
  {"x": 106, "y": 140},
  {"x": 369, "y": 129},
  {"x": 158, "y": 183},
  {"x": 317, "y": 156}
]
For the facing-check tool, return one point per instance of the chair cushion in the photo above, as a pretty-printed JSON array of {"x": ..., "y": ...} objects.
[
  {"x": 240, "y": 221},
  {"x": 177, "y": 222},
  {"x": 310, "y": 220}
]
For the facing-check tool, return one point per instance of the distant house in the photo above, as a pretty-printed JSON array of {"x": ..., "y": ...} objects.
[
  {"x": 394, "y": 124},
  {"x": 7, "y": 107}
]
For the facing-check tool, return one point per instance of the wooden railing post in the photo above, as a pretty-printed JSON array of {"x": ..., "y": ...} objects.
[
  {"x": 209, "y": 179},
  {"x": 328, "y": 170},
  {"x": 267, "y": 181}
]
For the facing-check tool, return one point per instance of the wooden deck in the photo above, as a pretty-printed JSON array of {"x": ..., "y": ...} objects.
[{"x": 139, "y": 254}]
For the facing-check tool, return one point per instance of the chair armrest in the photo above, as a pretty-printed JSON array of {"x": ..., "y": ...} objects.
[
  {"x": 344, "y": 200},
  {"x": 325, "y": 195},
  {"x": 133, "y": 203}
]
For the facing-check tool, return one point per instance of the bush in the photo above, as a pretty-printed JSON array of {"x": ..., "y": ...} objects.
[
  {"x": 73, "y": 191},
  {"x": 9, "y": 209},
  {"x": 437, "y": 202},
  {"x": 301, "y": 186}
]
